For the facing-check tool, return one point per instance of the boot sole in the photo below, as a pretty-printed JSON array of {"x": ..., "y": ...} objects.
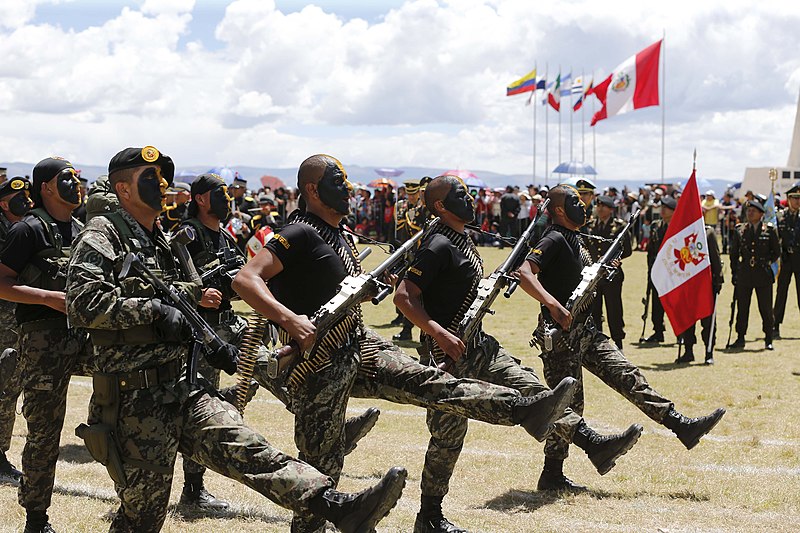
[
  {"x": 365, "y": 429},
  {"x": 558, "y": 409},
  {"x": 397, "y": 482},
  {"x": 611, "y": 462},
  {"x": 719, "y": 414}
]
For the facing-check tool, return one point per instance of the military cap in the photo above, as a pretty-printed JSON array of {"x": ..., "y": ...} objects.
[
  {"x": 423, "y": 183},
  {"x": 794, "y": 191},
  {"x": 606, "y": 201},
  {"x": 263, "y": 199},
  {"x": 582, "y": 184},
  {"x": 412, "y": 186},
  {"x": 204, "y": 183},
  {"x": 755, "y": 203},
  {"x": 670, "y": 202},
  {"x": 181, "y": 186},
  {"x": 139, "y": 157},
  {"x": 44, "y": 171},
  {"x": 239, "y": 182},
  {"x": 14, "y": 185}
]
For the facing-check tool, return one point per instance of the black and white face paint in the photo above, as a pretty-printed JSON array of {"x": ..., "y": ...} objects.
[
  {"x": 20, "y": 204},
  {"x": 68, "y": 186},
  {"x": 334, "y": 189},
  {"x": 152, "y": 188},
  {"x": 220, "y": 203}
]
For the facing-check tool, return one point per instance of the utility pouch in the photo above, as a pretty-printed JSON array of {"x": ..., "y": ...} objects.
[
  {"x": 102, "y": 445},
  {"x": 106, "y": 392}
]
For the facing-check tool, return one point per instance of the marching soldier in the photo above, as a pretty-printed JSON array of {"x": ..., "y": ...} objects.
[
  {"x": 606, "y": 226},
  {"x": 658, "y": 229},
  {"x": 550, "y": 274},
  {"x": 143, "y": 411},
  {"x": 266, "y": 216},
  {"x": 789, "y": 231},
  {"x": 242, "y": 206},
  {"x": 33, "y": 265},
  {"x": 688, "y": 337},
  {"x": 755, "y": 246},
  {"x": 15, "y": 203}
]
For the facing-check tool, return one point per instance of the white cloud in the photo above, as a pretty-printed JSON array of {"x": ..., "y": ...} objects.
[{"x": 423, "y": 86}]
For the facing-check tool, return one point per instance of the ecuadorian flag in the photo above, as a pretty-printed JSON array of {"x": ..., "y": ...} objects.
[{"x": 525, "y": 84}]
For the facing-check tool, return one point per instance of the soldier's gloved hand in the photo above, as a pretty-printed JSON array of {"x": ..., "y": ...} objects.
[
  {"x": 226, "y": 358},
  {"x": 170, "y": 324}
]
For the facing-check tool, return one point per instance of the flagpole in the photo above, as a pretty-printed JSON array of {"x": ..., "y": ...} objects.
[
  {"x": 572, "y": 83},
  {"x": 663, "y": 97},
  {"x": 534, "y": 125},
  {"x": 559, "y": 114},
  {"x": 583, "y": 120},
  {"x": 546, "y": 132},
  {"x": 594, "y": 138}
]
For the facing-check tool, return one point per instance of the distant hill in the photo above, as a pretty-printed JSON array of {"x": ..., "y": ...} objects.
[{"x": 364, "y": 175}]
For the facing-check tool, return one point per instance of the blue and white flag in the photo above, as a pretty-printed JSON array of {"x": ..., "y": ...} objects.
[{"x": 771, "y": 216}]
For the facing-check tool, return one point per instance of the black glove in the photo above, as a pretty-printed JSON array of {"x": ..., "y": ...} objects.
[
  {"x": 226, "y": 358},
  {"x": 170, "y": 324}
]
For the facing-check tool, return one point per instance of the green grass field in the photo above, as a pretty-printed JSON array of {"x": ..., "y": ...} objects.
[{"x": 745, "y": 476}]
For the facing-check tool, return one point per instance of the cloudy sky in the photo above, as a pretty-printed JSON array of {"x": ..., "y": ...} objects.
[{"x": 392, "y": 83}]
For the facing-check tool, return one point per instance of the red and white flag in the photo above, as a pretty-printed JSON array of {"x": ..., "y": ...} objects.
[
  {"x": 632, "y": 85},
  {"x": 681, "y": 273}
]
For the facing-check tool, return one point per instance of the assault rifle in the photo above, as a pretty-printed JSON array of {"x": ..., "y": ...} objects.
[
  {"x": 646, "y": 302},
  {"x": 489, "y": 288},
  {"x": 591, "y": 276},
  {"x": 352, "y": 291},
  {"x": 221, "y": 275},
  {"x": 204, "y": 334}
]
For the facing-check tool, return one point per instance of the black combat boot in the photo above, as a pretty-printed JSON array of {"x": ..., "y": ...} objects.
[
  {"x": 37, "y": 522},
  {"x": 690, "y": 430},
  {"x": 604, "y": 450},
  {"x": 430, "y": 518},
  {"x": 195, "y": 495},
  {"x": 537, "y": 413},
  {"x": 398, "y": 320},
  {"x": 687, "y": 356},
  {"x": 360, "y": 513},
  {"x": 776, "y": 331},
  {"x": 8, "y": 474},
  {"x": 655, "y": 338},
  {"x": 739, "y": 344},
  {"x": 553, "y": 478},
  {"x": 356, "y": 428},
  {"x": 618, "y": 343},
  {"x": 405, "y": 333},
  {"x": 768, "y": 344}
]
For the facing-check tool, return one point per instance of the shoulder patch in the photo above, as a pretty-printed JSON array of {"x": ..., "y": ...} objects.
[
  {"x": 416, "y": 271},
  {"x": 536, "y": 251},
  {"x": 281, "y": 239}
]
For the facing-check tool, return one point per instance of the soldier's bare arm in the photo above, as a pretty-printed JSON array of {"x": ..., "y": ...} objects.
[{"x": 13, "y": 291}]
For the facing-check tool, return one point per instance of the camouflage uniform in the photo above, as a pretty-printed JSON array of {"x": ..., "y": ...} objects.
[
  {"x": 153, "y": 423},
  {"x": 658, "y": 229},
  {"x": 9, "y": 392},
  {"x": 101, "y": 198}
]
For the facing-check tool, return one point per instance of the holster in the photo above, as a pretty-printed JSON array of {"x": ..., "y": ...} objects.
[{"x": 100, "y": 438}]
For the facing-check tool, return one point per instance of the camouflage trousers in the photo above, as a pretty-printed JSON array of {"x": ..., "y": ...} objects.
[
  {"x": 47, "y": 359},
  {"x": 9, "y": 392},
  {"x": 230, "y": 331},
  {"x": 155, "y": 424},
  {"x": 599, "y": 355},
  {"x": 488, "y": 361}
]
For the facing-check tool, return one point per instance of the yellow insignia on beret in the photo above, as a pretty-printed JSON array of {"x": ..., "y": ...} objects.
[
  {"x": 17, "y": 184},
  {"x": 150, "y": 154}
]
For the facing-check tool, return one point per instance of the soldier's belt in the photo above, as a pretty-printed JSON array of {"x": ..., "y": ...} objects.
[
  {"x": 215, "y": 318},
  {"x": 47, "y": 323},
  {"x": 146, "y": 378}
]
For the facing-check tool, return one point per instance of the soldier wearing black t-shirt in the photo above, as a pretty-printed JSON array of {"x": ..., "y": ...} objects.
[
  {"x": 33, "y": 274},
  {"x": 437, "y": 290},
  {"x": 303, "y": 266},
  {"x": 550, "y": 274}
]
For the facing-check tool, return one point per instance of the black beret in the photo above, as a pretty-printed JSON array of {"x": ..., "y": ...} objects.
[
  {"x": 606, "y": 201},
  {"x": 139, "y": 157},
  {"x": 424, "y": 181},
  {"x": 44, "y": 171},
  {"x": 206, "y": 182},
  {"x": 14, "y": 185},
  {"x": 755, "y": 203},
  {"x": 669, "y": 201}
]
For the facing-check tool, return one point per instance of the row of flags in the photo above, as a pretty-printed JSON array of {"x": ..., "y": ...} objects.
[{"x": 632, "y": 85}]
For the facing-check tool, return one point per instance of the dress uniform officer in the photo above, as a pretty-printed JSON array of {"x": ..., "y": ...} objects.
[
  {"x": 175, "y": 213},
  {"x": 658, "y": 229},
  {"x": 407, "y": 212},
  {"x": 242, "y": 205},
  {"x": 607, "y": 226},
  {"x": 789, "y": 231},
  {"x": 755, "y": 246}
]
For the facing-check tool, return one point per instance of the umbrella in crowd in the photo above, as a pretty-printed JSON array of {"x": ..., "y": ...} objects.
[
  {"x": 575, "y": 167},
  {"x": 381, "y": 182},
  {"x": 467, "y": 177},
  {"x": 226, "y": 173},
  {"x": 388, "y": 172},
  {"x": 186, "y": 176},
  {"x": 273, "y": 182}
]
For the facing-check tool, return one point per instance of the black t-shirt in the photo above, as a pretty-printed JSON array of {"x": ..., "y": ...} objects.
[
  {"x": 559, "y": 265},
  {"x": 25, "y": 239},
  {"x": 312, "y": 270},
  {"x": 444, "y": 275}
]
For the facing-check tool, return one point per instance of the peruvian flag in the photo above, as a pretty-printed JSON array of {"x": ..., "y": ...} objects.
[
  {"x": 633, "y": 84},
  {"x": 681, "y": 273}
]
